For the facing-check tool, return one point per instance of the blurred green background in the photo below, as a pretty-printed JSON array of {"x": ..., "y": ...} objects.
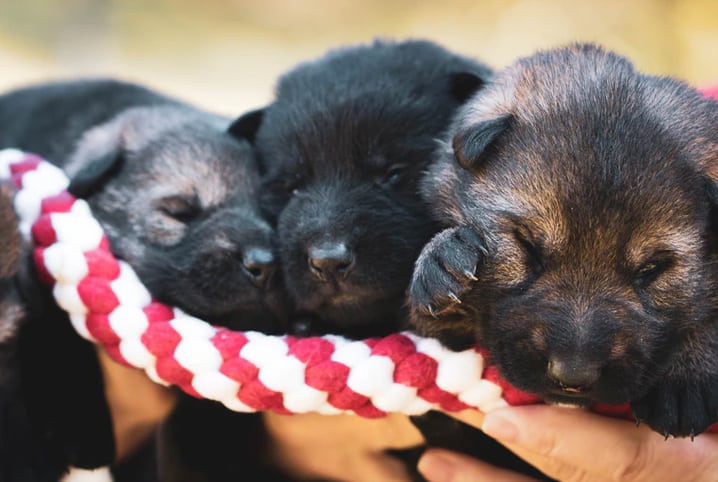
[{"x": 226, "y": 54}]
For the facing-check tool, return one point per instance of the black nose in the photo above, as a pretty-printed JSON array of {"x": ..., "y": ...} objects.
[
  {"x": 330, "y": 260},
  {"x": 573, "y": 376},
  {"x": 259, "y": 265}
]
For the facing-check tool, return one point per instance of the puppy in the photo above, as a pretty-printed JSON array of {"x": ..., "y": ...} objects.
[
  {"x": 176, "y": 195},
  {"x": 342, "y": 147},
  {"x": 580, "y": 198}
]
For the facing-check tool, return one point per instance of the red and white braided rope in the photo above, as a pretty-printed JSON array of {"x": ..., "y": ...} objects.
[{"x": 246, "y": 371}]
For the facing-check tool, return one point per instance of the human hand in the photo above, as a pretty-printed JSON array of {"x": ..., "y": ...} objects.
[
  {"x": 576, "y": 445},
  {"x": 341, "y": 447}
]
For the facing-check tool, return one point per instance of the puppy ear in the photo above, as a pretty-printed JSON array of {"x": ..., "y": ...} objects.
[
  {"x": 98, "y": 156},
  {"x": 96, "y": 172},
  {"x": 474, "y": 144},
  {"x": 247, "y": 125},
  {"x": 464, "y": 84}
]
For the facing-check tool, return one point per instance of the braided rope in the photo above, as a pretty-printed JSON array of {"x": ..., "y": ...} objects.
[{"x": 246, "y": 371}]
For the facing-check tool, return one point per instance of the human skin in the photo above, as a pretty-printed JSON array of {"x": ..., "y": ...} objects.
[{"x": 574, "y": 445}]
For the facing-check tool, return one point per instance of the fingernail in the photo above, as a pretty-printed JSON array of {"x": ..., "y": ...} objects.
[
  {"x": 436, "y": 467},
  {"x": 500, "y": 427}
]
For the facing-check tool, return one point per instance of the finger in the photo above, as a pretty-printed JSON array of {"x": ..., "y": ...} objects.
[
  {"x": 580, "y": 442},
  {"x": 438, "y": 465}
]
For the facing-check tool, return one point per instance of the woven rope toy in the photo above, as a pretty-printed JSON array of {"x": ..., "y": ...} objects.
[{"x": 246, "y": 371}]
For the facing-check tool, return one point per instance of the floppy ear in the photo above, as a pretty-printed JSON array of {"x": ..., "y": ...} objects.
[
  {"x": 464, "y": 84},
  {"x": 473, "y": 144},
  {"x": 101, "y": 152},
  {"x": 247, "y": 125},
  {"x": 93, "y": 176},
  {"x": 97, "y": 157}
]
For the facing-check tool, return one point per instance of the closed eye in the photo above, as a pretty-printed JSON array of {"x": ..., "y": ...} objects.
[
  {"x": 393, "y": 176},
  {"x": 533, "y": 252},
  {"x": 181, "y": 208},
  {"x": 653, "y": 267}
]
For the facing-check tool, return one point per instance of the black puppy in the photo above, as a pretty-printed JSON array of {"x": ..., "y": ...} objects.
[
  {"x": 582, "y": 250},
  {"x": 175, "y": 194},
  {"x": 343, "y": 147}
]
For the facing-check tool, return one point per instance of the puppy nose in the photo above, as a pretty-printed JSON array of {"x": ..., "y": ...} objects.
[
  {"x": 259, "y": 265},
  {"x": 573, "y": 376},
  {"x": 330, "y": 260}
]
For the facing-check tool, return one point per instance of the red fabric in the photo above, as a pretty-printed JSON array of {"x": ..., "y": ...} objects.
[
  {"x": 397, "y": 347},
  {"x": 311, "y": 350},
  {"x": 417, "y": 370},
  {"x": 97, "y": 295},
  {"x": 157, "y": 312},
  {"x": 256, "y": 395},
  {"x": 29, "y": 163},
  {"x": 168, "y": 368},
  {"x": 101, "y": 263},
  {"x": 347, "y": 399},
  {"x": 42, "y": 272},
  {"x": 229, "y": 343},
  {"x": 240, "y": 370},
  {"x": 43, "y": 234},
  {"x": 161, "y": 339},
  {"x": 99, "y": 327},
  {"x": 60, "y": 203},
  {"x": 328, "y": 376}
]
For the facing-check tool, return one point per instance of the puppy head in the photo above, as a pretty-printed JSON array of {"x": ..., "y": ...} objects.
[
  {"x": 343, "y": 146},
  {"x": 176, "y": 195},
  {"x": 11, "y": 311},
  {"x": 594, "y": 189}
]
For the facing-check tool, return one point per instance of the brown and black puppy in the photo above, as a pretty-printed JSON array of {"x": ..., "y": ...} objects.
[{"x": 581, "y": 250}]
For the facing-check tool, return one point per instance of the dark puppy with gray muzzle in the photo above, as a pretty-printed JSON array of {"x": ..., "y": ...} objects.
[
  {"x": 580, "y": 198},
  {"x": 176, "y": 195}
]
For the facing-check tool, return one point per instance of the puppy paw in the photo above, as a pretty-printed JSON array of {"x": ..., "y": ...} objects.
[
  {"x": 679, "y": 409},
  {"x": 445, "y": 271}
]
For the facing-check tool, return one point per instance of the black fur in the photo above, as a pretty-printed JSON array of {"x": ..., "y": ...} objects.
[
  {"x": 342, "y": 147},
  {"x": 592, "y": 213},
  {"x": 175, "y": 193}
]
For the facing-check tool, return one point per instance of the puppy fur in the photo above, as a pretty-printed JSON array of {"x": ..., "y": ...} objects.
[
  {"x": 579, "y": 197},
  {"x": 14, "y": 423},
  {"x": 176, "y": 195},
  {"x": 342, "y": 148}
]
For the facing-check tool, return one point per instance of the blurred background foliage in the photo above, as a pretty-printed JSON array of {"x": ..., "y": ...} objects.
[{"x": 226, "y": 54}]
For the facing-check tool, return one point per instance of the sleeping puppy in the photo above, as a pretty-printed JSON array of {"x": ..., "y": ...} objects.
[
  {"x": 176, "y": 195},
  {"x": 581, "y": 250},
  {"x": 343, "y": 146}
]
